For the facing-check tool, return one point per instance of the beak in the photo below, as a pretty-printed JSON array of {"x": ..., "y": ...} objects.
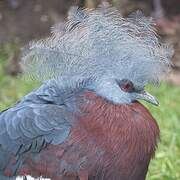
[{"x": 147, "y": 97}]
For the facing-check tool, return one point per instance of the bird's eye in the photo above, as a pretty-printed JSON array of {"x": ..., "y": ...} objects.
[{"x": 126, "y": 85}]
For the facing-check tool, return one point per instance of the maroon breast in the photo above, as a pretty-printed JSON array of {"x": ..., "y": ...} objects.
[{"x": 121, "y": 139}]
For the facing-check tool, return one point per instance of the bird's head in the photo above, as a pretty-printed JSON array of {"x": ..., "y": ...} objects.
[
  {"x": 123, "y": 91},
  {"x": 117, "y": 56}
]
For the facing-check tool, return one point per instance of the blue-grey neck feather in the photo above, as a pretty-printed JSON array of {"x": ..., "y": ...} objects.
[
  {"x": 59, "y": 91},
  {"x": 99, "y": 42}
]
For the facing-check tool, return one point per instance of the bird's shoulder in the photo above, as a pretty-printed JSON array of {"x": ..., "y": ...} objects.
[{"x": 42, "y": 116}]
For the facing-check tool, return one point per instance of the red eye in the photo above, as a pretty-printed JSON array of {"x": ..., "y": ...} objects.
[{"x": 126, "y": 85}]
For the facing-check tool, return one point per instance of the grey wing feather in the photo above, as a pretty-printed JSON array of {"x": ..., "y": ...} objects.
[
  {"x": 7, "y": 178},
  {"x": 23, "y": 125},
  {"x": 33, "y": 122}
]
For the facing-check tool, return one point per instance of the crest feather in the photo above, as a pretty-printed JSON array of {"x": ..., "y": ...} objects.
[{"x": 99, "y": 42}]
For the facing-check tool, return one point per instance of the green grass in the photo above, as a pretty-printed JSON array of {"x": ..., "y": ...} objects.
[
  {"x": 166, "y": 164},
  {"x": 11, "y": 88}
]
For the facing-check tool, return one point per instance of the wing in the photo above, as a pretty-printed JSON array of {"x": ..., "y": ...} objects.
[
  {"x": 33, "y": 123},
  {"x": 40, "y": 123}
]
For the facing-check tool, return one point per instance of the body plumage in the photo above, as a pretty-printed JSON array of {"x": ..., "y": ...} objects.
[{"x": 106, "y": 141}]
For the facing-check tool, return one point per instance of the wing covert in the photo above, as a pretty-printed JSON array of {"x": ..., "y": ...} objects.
[{"x": 26, "y": 124}]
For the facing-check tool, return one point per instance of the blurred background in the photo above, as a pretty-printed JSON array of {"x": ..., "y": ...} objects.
[{"x": 24, "y": 20}]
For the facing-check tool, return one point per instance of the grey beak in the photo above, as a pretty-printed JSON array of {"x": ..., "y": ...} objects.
[{"x": 147, "y": 97}]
